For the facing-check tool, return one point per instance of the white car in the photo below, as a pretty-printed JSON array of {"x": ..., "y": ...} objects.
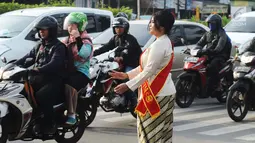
[
  {"x": 18, "y": 36},
  {"x": 241, "y": 29},
  {"x": 191, "y": 32}
]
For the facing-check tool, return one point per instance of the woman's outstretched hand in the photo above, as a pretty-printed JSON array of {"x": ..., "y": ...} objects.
[
  {"x": 120, "y": 89},
  {"x": 118, "y": 75}
]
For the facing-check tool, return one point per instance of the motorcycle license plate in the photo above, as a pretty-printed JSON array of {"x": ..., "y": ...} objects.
[
  {"x": 191, "y": 59},
  {"x": 242, "y": 69}
]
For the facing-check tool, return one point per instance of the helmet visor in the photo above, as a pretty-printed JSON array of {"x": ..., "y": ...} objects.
[{"x": 67, "y": 22}]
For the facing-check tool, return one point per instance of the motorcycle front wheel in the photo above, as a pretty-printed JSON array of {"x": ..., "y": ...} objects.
[
  {"x": 185, "y": 92},
  {"x": 236, "y": 101},
  {"x": 90, "y": 112},
  {"x": 4, "y": 133},
  {"x": 76, "y": 130}
]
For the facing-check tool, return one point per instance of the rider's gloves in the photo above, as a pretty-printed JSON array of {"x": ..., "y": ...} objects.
[{"x": 200, "y": 53}]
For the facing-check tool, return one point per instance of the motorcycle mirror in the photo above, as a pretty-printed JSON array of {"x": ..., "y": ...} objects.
[
  {"x": 28, "y": 60},
  {"x": 183, "y": 41},
  {"x": 111, "y": 53},
  {"x": 4, "y": 60}
]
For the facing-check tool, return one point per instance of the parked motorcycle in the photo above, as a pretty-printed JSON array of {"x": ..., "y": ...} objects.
[
  {"x": 241, "y": 95},
  {"x": 19, "y": 115},
  {"x": 192, "y": 82},
  {"x": 101, "y": 90}
]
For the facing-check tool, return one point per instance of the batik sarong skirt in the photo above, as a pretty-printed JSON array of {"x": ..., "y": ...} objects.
[{"x": 160, "y": 129}]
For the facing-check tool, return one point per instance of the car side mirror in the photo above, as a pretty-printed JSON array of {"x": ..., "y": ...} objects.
[
  {"x": 28, "y": 61},
  {"x": 4, "y": 60},
  {"x": 183, "y": 41},
  {"x": 37, "y": 36}
]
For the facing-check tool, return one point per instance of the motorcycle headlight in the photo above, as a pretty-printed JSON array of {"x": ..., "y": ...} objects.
[
  {"x": 237, "y": 75},
  {"x": 1, "y": 71},
  {"x": 7, "y": 74}
]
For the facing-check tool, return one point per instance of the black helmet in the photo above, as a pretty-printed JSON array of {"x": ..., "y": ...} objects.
[
  {"x": 214, "y": 18},
  {"x": 122, "y": 14},
  {"x": 49, "y": 23},
  {"x": 120, "y": 22}
]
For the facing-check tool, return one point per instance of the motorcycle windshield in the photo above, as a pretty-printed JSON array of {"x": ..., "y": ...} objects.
[
  {"x": 247, "y": 57},
  {"x": 6, "y": 67},
  {"x": 193, "y": 52}
]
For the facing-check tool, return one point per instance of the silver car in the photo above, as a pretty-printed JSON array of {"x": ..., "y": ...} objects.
[{"x": 191, "y": 32}]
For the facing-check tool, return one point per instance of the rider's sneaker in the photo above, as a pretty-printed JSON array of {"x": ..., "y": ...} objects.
[{"x": 71, "y": 121}]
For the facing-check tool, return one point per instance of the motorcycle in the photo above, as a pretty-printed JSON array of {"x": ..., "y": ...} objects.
[
  {"x": 19, "y": 115},
  {"x": 100, "y": 92},
  {"x": 241, "y": 95},
  {"x": 192, "y": 82}
]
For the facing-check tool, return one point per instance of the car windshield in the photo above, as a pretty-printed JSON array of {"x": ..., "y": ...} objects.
[
  {"x": 241, "y": 24},
  {"x": 139, "y": 31},
  {"x": 12, "y": 25}
]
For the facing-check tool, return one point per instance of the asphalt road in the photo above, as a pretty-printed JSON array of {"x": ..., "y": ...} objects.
[{"x": 205, "y": 121}]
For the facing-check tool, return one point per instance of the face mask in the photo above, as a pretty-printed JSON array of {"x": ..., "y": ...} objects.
[{"x": 212, "y": 26}]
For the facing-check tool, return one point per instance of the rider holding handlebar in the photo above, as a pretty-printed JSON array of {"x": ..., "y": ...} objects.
[{"x": 218, "y": 49}]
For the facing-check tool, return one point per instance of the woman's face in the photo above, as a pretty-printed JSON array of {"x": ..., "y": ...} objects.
[
  {"x": 72, "y": 27},
  {"x": 153, "y": 30}
]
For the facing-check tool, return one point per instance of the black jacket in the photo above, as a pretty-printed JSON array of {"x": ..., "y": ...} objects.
[
  {"x": 48, "y": 58},
  {"x": 217, "y": 44},
  {"x": 134, "y": 50}
]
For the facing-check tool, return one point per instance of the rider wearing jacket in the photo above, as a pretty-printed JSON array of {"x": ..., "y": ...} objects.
[
  {"x": 218, "y": 49},
  {"x": 81, "y": 50},
  {"x": 48, "y": 58},
  {"x": 123, "y": 40}
]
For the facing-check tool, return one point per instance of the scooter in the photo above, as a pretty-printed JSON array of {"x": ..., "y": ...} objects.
[
  {"x": 192, "y": 82},
  {"x": 19, "y": 114},
  {"x": 241, "y": 97},
  {"x": 100, "y": 92}
]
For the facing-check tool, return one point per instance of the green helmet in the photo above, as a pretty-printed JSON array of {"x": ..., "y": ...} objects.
[{"x": 78, "y": 18}]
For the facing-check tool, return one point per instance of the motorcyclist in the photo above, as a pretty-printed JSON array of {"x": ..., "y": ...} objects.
[
  {"x": 48, "y": 59},
  {"x": 123, "y": 40},
  {"x": 218, "y": 49},
  {"x": 81, "y": 48}
]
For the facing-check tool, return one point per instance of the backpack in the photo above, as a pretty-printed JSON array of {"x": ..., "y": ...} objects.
[{"x": 69, "y": 62}]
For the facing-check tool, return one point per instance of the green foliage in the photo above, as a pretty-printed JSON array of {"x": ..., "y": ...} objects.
[
  {"x": 115, "y": 11},
  {"x": 225, "y": 20},
  {"x": 6, "y": 7}
]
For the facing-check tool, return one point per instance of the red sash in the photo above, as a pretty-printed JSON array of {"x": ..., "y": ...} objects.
[{"x": 149, "y": 102}]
